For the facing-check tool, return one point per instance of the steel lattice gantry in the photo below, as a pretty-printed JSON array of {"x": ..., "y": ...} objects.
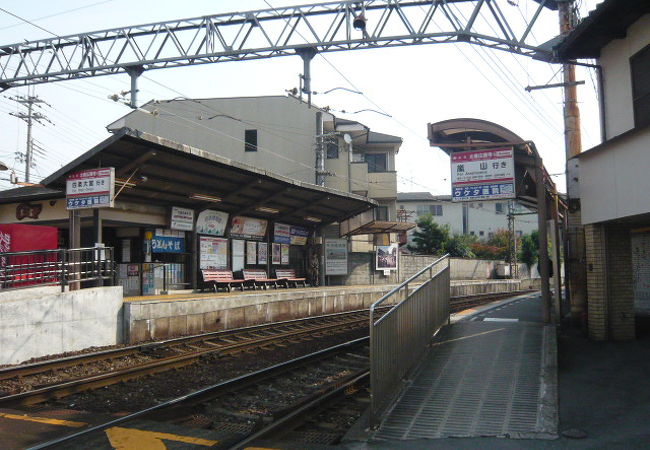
[{"x": 322, "y": 27}]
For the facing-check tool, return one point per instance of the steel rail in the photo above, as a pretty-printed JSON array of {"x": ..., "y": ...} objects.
[
  {"x": 164, "y": 364},
  {"x": 211, "y": 391},
  {"x": 75, "y": 360}
]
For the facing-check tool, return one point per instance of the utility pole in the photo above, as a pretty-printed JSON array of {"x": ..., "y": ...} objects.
[
  {"x": 30, "y": 101},
  {"x": 573, "y": 146},
  {"x": 512, "y": 241}
]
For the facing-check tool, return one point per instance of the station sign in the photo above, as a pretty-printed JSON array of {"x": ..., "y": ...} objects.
[
  {"x": 182, "y": 219},
  {"x": 483, "y": 175},
  {"x": 94, "y": 188}
]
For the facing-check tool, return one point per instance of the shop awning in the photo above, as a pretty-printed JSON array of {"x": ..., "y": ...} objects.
[{"x": 161, "y": 172}]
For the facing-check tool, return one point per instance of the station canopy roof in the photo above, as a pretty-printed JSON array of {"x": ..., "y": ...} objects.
[
  {"x": 157, "y": 171},
  {"x": 455, "y": 135}
]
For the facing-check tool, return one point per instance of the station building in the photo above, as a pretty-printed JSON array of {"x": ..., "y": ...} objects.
[{"x": 611, "y": 179}]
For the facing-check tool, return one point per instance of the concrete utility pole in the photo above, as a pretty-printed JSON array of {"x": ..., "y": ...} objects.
[
  {"x": 29, "y": 117},
  {"x": 573, "y": 145}
]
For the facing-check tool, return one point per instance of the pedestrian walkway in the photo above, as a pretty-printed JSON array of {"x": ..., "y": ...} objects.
[{"x": 492, "y": 375}]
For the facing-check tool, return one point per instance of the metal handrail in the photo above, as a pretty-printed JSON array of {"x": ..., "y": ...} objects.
[{"x": 400, "y": 337}]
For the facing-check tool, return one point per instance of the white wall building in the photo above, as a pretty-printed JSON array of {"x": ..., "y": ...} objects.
[{"x": 481, "y": 218}]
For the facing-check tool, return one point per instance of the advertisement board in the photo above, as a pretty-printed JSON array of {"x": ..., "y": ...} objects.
[
  {"x": 248, "y": 228},
  {"x": 262, "y": 253},
  {"x": 336, "y": 257},
  {"x": 182, "y": 219},
  {"x": 483, "y": 175},
  {"x": 93, "y": 188},
  {"x": 238, "y": 254},
  {"x": 167, "y": 244},
  {"x": 213, "y": 253},
  {"x": 299, "y": 235},
  {"x": 276, "y": 254},
  {"x": 251, "y": 252},
  {"x": 212, "y": 222},
  {"x": 284, "y": 250},
  {"x": 386, "y": 257},
  {"x": 290, "y": 234}
]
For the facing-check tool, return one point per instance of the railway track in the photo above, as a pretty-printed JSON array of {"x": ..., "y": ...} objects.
[
  {"x": 62, "y": 377},
  {"x": 53, "y": 379},
  {"x": 273, "y": 401}
]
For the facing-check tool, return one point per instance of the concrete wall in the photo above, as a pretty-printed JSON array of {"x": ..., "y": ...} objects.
[
  {"x": 615, "y": 60},
  {"x": 614, "y": 179},
  {"x": 42, "y": 321},
  {"x": 146, "y": 320},
  {"x": 159, "y": 319}
]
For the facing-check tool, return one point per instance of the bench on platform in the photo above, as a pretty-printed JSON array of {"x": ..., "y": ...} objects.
[
  {"x": 259, "y": 278},
  {"x": 288, "y": 278},
  {"x": 223, "y": 278}
]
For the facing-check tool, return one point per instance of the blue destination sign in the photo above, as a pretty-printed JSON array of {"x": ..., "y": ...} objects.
[{"x": 167, "y": 244}]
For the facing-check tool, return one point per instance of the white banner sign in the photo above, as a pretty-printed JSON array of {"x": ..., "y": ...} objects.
[
  {"x": 482, "y": 175},
  {"x": 182, "y": 219},
  {"x": 93, "y": 188}
]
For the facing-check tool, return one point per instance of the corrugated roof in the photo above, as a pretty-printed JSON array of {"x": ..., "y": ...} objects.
[
  {"x": 414, "y": 196},
  {"x": 29, "y": 193},
  {"x": 610, "y": 20}
]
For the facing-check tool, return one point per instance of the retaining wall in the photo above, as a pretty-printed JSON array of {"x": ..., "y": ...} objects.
[{"x": 41, "y": 321}]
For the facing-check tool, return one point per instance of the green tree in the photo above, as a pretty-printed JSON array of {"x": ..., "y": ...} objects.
[
  {"x": 460, "y": 246},
  {"x": 500, "y": 240},
  {"x": 529, "y": 249},
  {"x": 429, "y": 237}
]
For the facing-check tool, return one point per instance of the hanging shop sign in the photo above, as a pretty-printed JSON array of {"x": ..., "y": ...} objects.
[
  {"x": 336, "y": 257},
  {"x": 248, "y": 228},
  {"x": 251, "y": 252},
  {"x": 212, "y": 222},
  {"x": 483, "y": 175},
  {"x": 284, "y": 251},
  {"x": 213, "y": 253},
  {"x": 167, "y": 244},
  {"x": 182, "y": 219},
  {"x": 281, "y": 233},
  {"x": 386, "y": 257},
  {"x": 289, "y": 234},
  {"x": 93, "y": 188},
  {"x": 262, "y": 253}
]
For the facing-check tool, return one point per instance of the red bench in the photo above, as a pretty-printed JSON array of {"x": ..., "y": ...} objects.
[
  {"x": 259, "y": 278},
  {"x": 288, "y": 277},
  {"x": 217, "y": 278}
]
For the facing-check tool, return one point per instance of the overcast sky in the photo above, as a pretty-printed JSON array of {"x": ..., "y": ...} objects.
[{"x": 416, "y": 85}]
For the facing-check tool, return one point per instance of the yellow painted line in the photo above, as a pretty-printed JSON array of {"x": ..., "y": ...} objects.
[
  {"x": 46, "y": 420},
  {"x": 134, "y": 439},
  {"x": 467, "y": 337}
]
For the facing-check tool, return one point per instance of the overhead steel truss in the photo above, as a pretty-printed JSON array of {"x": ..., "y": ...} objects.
[{"x": 236, "y": 36}]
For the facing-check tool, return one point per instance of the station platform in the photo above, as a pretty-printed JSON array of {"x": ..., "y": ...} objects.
[{"x": 491, "y": 373}]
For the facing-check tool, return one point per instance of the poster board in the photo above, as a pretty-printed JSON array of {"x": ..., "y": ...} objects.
[
  {"x": 386, "y": 257},
  {"x": 284, "y": 252},
  {"x": 248, "y": 228},
  {"x": 262, "y": 253},
  {"x": 336, "y": 257},
  {"x": 238, "y": 254},
  {"x": 251, "y": 252},
  {"x": 213, "y": 253},
  {"x": 276, "y": 256}
]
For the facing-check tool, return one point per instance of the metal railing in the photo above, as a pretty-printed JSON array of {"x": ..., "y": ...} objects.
[
  {"x": 400, "y": 337},
  {"x": 76, "y": 267}
]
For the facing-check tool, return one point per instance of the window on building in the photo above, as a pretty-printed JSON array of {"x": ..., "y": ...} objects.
[
  {"x": 481, "y": 233},
  {"x": 640, "y": 68},
  {"x": 332, "y": 150},
  {"x": 377, "y": 162},
  {"x": 250, "y": 140},
  {"x": 436, "y": 210},
  {"x": 472, "y": 233},
  {"x": 490, "y": 235},
  {"x": 499, "y": 208},
  {"x": 381, "y": 213}
]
